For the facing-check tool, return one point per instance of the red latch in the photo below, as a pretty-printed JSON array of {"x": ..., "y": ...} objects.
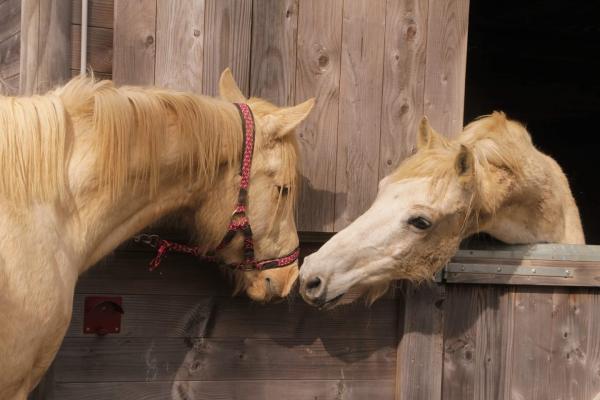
[{"x": 102, "y": 315}]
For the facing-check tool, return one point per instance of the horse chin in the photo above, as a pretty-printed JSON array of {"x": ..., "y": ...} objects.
[{"x": 273, "y": 288}]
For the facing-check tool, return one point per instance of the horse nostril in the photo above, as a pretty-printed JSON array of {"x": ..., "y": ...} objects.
[{"x": 313, "y": 283}]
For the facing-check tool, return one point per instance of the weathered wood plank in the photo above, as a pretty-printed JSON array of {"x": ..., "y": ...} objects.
[
  {"x": 421, "y": 346},
  {"x": 134, "y": 42},
  {"x": 318, "y": 75},
  {"x": 446, "y": 65},
  {"x": 185, "y": 316},
  {"x": 113, "y": 359},
  {"x": 179, "y": 43},
  {"x": 580, "y": 273},
  {"x": 227, "y": 42},
  {"x": 532, "y": 349},
  {"x": 10, "y": 18},
  {"x": 211, "y": 390},
  {"x": 591, "y": 348},
  {"x": 127, "y": 272},
  {"x": 54, "y": 44},
  {"x": 99, "y": 49},
  {"x": 10, "y": 51},
  {"x": 10, "y": 86},
  {"x": 476, "y": 336},
  {"x": 45, "y": 44},
  {"x": 361, "y": 83},
  {"x": 562, "y": 252},
  {"x": 100, "y": 13},
  {"x": 403, "y": 80},
  {"x": 273, "y": 65},
  {"x": 568, "y": 369},
  {"x": 97, "y": 75}
]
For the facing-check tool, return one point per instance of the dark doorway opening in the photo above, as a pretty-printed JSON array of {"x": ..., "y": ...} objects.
[{"x": 539, "y": 61}]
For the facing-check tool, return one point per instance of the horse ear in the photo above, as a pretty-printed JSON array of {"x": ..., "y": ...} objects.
[
  {"x": 228, "y": 89},
  {"x": 284, "y": 120},
  {"x": 427, "y": 137},
  {"x": 465, "y": 162}
]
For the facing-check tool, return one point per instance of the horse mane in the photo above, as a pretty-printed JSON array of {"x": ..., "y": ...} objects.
[
  {"x": 126, "y": 127},
  {"x": 493, "y": 140}
]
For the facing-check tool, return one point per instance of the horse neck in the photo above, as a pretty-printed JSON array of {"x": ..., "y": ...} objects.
[
  {"x": 100, "y": 220},
  {"x": 535, "y": 207}
]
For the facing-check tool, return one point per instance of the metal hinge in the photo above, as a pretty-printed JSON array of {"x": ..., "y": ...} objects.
[{"x": 487, "y": 269}]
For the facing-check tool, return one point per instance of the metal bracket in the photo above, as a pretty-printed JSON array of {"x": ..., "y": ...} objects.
[
  {"x": 487, "y": 269},
  {"x": 102, "y": 315}
]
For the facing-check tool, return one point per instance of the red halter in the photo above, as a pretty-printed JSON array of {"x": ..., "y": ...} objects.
[{"x": 239, "y": 220}]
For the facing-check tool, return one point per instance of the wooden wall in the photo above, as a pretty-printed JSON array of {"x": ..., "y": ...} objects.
[
  {"x": 100, "y": 37},
  {"x": 375, "y": 68},
  {"x": 185, "y": 337},
  {"x": 10, "y": 42},
  {"x": 519, "y": 337}
]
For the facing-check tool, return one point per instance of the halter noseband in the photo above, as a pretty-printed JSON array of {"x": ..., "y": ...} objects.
[{"x": 239, "y": 221}]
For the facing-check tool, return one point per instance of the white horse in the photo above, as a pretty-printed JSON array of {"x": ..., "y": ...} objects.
[
  {"x": 490, "y": 179},
  {"x": 88, "y": 165}
]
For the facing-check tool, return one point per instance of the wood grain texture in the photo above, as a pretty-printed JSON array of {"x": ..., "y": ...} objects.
[
  {"x": 134, "y": 42},
  {"x": 318, "y": 75},
  {"x": 227, "y": 42},
  {"x": 98, "y": 75},
  {"x": 45, "y": 44},
  {"x": 421, "y": 346},
  {"x": 127, "y": 272},
  {"x": 10, "y": 18},
  {"x": 532, "y": 350},
  {"x": 403, "y": 80},
  {"x": 179, "y": 43},
  {"x": 178, "y": 316},
  {"x": 581, "y": 273},
  {"x": 542, "y": 251},
  {"x": 477, "y": 329},
  {"x": 28, "y": 52},
  {"x": 100, "y": 13},
  {"x": 10, "y": 50},
  {"x": 211, "y": 390},
  {"x": 113, "y": 359},
  {"x": 446, "y": 65},
  {"x": 360, "y": 109},
  {"x": 99, "y": 49},
  {"x": 273, "y": 65},
  {"x": 588, "y": 309},
  {"x": 10, "y": 86}
]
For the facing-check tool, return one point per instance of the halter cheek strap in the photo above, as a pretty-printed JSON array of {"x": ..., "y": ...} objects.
[{"x": 239, "y": 220}]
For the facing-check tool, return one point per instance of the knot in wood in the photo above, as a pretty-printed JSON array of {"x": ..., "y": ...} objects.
[
  {"x": 323, "y": 60},
  {"x": 411, "y": 31}
]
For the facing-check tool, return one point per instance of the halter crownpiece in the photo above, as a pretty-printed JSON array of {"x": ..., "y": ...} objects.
[{"x": 239, "y": 220}]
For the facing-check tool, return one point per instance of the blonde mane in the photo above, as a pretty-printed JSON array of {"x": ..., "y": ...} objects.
[
  {"x": 492, "y": 139},
  {"x": 126, "y": 127}
]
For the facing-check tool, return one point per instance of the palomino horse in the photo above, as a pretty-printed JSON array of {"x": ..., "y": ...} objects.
[
  {"x": 86, "y": 166},
  {"x": 489, "y": 179}
]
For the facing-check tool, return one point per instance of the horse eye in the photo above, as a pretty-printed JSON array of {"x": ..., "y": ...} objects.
[
  {"x": 420, "y": 223},
  {"x": 283, "y": 190}
]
